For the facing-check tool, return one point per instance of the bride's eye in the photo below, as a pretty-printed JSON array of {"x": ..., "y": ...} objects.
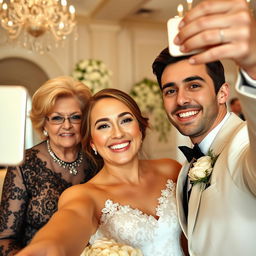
[
  {"x": 127, "y": 120},
  {"x": 102, "y": 126}
]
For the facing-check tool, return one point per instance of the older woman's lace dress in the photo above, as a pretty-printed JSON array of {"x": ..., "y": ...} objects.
[
  {"x": 130, "y": 226},
  {"x": 30, "y": 196}
]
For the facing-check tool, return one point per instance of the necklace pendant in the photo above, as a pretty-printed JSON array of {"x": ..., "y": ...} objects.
[
  {"x": 73, "y": 171},
  {"x": 70, "y": 166}
]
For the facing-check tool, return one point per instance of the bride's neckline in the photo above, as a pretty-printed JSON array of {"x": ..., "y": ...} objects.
[{"x": 111, "y": 207}]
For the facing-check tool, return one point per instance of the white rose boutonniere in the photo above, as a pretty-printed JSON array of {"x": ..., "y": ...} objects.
[
  {"x": 202, "y": 169},
  {"x": 109, "y": 247}
]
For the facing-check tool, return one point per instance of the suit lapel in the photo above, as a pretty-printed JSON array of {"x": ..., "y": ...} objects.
[
  {"x": 179, "y": 195},
  {"x": 194, "y": 202},
  {"x": 226, "y": 132}
]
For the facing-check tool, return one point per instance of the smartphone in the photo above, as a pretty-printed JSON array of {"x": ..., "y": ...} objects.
[
  {"x": 13, "y": 101},
  {"x": 172, "y": 30}
]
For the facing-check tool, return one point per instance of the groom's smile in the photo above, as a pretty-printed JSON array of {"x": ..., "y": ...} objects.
[{"x": 189, "y": 98}]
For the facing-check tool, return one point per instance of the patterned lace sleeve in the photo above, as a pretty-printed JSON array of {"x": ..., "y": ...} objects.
[{"x": 12, "y": 212}]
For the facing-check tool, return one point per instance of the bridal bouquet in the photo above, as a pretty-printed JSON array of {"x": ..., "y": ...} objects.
[
  {"x": 93, "y": 73},
  {"x": 109, "y": 247}
]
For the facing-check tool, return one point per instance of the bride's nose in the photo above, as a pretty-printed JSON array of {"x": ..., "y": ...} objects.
[{"x": 117, "y": 131}]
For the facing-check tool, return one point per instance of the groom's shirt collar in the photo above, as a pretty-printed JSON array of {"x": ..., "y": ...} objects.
[{"x": 207, "y": 141}]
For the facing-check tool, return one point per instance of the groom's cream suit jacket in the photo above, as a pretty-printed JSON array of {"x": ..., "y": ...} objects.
[{"x": 222, "y": 218}]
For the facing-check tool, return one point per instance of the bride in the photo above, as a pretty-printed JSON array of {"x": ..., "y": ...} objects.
[{"x": 130, "y": 200}]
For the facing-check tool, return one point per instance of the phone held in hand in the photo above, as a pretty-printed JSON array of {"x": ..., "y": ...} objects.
[{"x": 173, "y": 29}]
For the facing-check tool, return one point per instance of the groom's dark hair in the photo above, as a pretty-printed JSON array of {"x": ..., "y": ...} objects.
[{"x": 214, "y": 69}]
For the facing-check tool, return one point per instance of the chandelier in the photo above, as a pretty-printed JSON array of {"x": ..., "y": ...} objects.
[{"x": 44, "y": 22}]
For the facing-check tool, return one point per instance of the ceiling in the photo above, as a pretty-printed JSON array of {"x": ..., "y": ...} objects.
[{"x": 157, "y": 11}]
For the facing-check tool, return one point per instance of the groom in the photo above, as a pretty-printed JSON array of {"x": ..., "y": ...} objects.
[{"x": 218, "y": 214}]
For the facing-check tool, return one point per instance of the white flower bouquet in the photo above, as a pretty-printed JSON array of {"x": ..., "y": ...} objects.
[
  {"x": 93, "y": 73},
  {"x": 148, "y": 96},
  {"x": 109, "y": 247}
]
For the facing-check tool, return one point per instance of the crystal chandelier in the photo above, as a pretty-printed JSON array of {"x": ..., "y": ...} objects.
[{"x": 44, "y": 22}]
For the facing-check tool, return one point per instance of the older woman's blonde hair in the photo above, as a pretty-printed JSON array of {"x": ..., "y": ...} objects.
[
  {"x": 45, "y": 97},
  {"x": 86, "y": 125}
]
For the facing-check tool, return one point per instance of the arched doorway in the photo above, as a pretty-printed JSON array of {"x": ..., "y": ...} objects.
[{"x": 19, "y": 71}]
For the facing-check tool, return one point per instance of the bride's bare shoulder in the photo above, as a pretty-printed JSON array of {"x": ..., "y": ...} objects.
[{"x": 166, "y": 167}]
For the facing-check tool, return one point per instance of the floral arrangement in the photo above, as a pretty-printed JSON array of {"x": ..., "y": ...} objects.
[
  {"x": 148, "y": 96},
  {"x": 202, "y": 169},
  {"x": 93, "y": 73},
  {"x": 109, "y": 247}
]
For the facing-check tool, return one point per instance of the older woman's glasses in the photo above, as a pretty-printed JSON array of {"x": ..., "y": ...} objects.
[{"x": 74, "y": 119}]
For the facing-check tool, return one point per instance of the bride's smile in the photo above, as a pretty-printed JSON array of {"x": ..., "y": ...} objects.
[{"x": 115, "y": 131}]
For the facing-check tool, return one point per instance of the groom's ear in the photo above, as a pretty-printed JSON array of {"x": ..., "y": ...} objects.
[{"x": 223, "y": 93}]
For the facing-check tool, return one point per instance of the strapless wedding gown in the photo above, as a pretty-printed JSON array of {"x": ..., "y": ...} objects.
[{"x": 130, "y": 226}]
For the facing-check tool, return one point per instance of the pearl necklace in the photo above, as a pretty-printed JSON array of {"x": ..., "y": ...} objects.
[{"x": 70, "y": 166}]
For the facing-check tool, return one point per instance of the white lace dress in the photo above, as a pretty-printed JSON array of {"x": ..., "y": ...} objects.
[{"x": 130, "y": 226}]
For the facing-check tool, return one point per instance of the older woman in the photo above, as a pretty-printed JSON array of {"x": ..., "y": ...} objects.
[
  {"x": 129, "y": 200},
  {"x": 31, "y": 191}
]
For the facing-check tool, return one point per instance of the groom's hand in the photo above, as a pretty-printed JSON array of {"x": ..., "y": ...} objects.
[{"x": 225, "y": 29}]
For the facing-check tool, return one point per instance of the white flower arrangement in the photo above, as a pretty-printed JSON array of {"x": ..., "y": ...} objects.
[
  {"x": 109, "y": 247},
  {"x": 202, "y": 169},
  {"x": 148, "y": 96},
  {"x": 93, "y": 73}
]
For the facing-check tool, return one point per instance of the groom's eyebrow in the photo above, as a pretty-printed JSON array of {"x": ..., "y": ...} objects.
[
  {"x": 168, "y": 85},
  {"x": 192, "y": 78},
  {"x": 186, "y": 80}
]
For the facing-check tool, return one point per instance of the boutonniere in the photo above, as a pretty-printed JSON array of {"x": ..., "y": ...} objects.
[{"x": 201, "y": 170}]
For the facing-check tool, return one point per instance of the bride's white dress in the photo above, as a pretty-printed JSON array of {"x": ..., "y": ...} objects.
[{"x": 130, "y": 226}]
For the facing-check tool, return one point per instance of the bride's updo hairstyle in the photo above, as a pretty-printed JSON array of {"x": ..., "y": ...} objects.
[{"x": 86, "y": 124}]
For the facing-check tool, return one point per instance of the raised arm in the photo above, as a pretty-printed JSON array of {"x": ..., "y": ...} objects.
[
  {"x": 246, "y": 89},
  {"x": 68, "y": 231}
]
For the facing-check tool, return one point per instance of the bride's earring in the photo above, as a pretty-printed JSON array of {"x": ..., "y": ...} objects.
[
  {"x": 45, "y": 133},
  {"x": 95, "y": 151}
]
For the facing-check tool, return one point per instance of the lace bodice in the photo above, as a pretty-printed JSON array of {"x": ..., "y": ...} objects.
[{"x": 131, "y": 226}]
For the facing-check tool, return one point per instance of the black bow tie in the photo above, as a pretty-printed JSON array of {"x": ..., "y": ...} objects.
[{"x": 191, "y": 153}]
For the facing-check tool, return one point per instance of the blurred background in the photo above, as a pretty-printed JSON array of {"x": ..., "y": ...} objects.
[{"x": 126, "y": 35}]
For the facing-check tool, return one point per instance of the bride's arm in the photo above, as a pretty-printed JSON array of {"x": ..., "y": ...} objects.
[{"x": 68, "y": 231}]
